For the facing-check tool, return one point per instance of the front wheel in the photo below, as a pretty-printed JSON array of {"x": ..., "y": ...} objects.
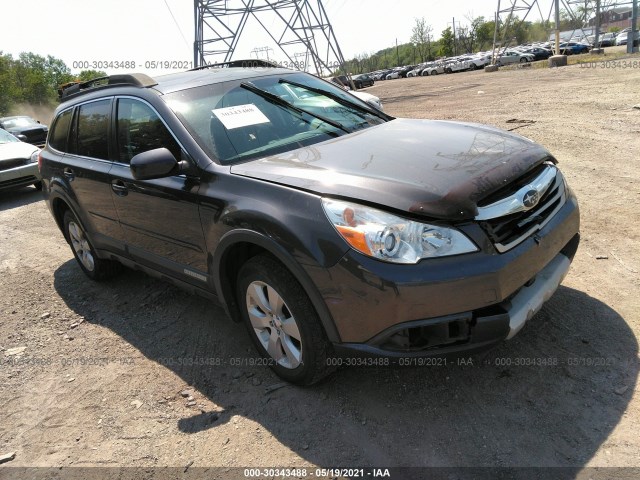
[
  {"x": 94, "y": 267},
  {"x": 282, "y": 322}
]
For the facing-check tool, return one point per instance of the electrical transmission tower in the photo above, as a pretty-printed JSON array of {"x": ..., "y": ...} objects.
[{"x": 298, "y": 27}]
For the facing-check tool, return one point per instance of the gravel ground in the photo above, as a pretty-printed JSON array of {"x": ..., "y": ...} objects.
[{"x": 135, "y": 372}]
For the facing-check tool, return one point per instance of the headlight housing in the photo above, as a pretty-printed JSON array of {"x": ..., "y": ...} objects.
[
  {"x": 390, "y": 238},
  {"x": 34, "y": 157}
]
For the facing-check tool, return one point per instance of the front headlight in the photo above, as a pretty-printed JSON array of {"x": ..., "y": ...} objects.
[
  {"x": 34, "y": 157},
  {"x": 391, "y": 238}
]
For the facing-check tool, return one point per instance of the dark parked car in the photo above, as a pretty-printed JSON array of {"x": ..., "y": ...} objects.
[
  {"x": 329, "y": 228},
  {"x": 405, "y": 70},
  {"x": 538, "y": 53},
  {"x": 18, "y": 163},
  {"x": 360, "y": 81},
  {"x": 363, "y": 81},
  {"x": 26, "y": 129},
  {"x": 573, "y": 48}
]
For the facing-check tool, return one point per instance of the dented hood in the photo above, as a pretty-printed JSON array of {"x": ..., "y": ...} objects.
[{"x": 433, "y": 168}]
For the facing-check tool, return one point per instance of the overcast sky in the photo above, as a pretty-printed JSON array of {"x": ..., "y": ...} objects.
[{"x": 148, "y": 30}]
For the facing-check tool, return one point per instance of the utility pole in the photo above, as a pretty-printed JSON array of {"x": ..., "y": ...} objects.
[
  {"x": 495, "y": 35},
  {"x": 597, "y": 44},
  {"x": 455, "y": 46},
  {"x": 631, "y": 37},
  {"x": 397, "y": 53},
  {"x": 557, "y": 7},
  {"x": 558, "y": 60}
]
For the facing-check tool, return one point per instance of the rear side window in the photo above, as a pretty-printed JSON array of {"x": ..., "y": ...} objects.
[
  {"x": 140, "y": 129},
  {"x": 60, "y": 131},
  {"x": 92, "y": 138}
]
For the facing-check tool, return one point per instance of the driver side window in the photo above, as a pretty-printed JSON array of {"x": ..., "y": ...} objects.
[{"x": 140, "y": 129}]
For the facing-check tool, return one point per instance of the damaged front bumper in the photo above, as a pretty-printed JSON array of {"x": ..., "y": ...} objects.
[{"x": 455, "y": 306}]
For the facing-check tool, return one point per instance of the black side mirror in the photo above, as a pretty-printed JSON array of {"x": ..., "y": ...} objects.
[{"x": 157, "y": 163}]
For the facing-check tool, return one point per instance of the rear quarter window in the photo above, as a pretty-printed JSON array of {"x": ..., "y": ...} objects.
[{"x": 60, "y": 131}]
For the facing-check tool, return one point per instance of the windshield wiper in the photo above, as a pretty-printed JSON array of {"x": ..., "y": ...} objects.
[
  {"x": 340, "y": 100},
  {"x": 282, "y": 102}
]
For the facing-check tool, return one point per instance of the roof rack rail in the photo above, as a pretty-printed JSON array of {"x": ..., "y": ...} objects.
[
  {"x": 249, "y": 63},
  {"x": 70, "y": 89}
]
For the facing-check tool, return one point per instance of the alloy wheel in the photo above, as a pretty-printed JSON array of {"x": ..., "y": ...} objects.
[
  {"x": 81, "y": 246},
  {"x": 274, "y": 324}
]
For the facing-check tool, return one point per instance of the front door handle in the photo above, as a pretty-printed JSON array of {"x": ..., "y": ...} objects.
[{"x": 119, "y": 188}]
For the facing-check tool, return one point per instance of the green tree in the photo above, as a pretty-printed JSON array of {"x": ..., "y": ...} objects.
[
  {"x": 484, "y": 33},
  {"x": 86, "y": 75},
  {"x": 446, "y": 43},
  {"x": 421, "y": 39},
  {"x": 8, "y": 90},
  {"x": 30, "y": 78}
]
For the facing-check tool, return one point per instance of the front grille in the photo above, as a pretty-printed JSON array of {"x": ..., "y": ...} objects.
[
  {"x": 514, "y": 186},
  {"x": 509, "y": 230},
  {"x": 35, "y": 136},
  {"x": 12, "y": 163}
]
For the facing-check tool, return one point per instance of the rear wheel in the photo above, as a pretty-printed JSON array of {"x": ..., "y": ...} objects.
[
  {"x": 282, "y": 322},
  {"x": 94, "y": 267}
]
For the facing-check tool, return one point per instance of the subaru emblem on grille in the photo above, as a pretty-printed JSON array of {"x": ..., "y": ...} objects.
[{"x": 530, "y": 199}]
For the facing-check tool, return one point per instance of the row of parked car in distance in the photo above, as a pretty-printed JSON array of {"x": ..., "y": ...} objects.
[{"x": 521, "y": 54}]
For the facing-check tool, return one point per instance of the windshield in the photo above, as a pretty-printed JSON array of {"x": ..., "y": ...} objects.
[
  {"x": 6, "y": 137},
  {"x": 18, "y": 122},
  {"x": 244, "y": 119}
]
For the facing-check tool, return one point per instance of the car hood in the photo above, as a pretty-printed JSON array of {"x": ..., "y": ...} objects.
[
  {"x": 13, "y": 150},
  {"x": 433, "y": 168},
  {"x": 29, "y": 128}
]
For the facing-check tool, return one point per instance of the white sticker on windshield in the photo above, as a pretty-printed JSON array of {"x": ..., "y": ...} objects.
[{"x": 240, "y": 116}]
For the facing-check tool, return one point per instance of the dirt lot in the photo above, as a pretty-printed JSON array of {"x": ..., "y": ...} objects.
[{"x": 100, "y": 381}]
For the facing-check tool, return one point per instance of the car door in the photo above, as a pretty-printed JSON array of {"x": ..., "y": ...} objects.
[
  {"x": 160, "y": 217},
  {"x": 86, "y": 171}
]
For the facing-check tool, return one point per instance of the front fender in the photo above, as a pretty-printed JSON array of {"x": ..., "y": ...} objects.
[{"x": 303, "y": 275}]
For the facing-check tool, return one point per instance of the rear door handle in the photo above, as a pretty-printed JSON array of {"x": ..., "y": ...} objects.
[
  {"x": 119, "y": 188},
  {"x": 68, "y": 172}
]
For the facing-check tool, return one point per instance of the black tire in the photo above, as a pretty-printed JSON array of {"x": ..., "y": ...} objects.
[
  {"x": 523, "y": 60},
  {"x": 260, "y": 273},
  {"x": 38, "y": 185},
  {"x": 96, "y": 269}
]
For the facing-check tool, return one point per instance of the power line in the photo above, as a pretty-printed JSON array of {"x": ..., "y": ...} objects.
[{"x": 177, "y": 25}]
